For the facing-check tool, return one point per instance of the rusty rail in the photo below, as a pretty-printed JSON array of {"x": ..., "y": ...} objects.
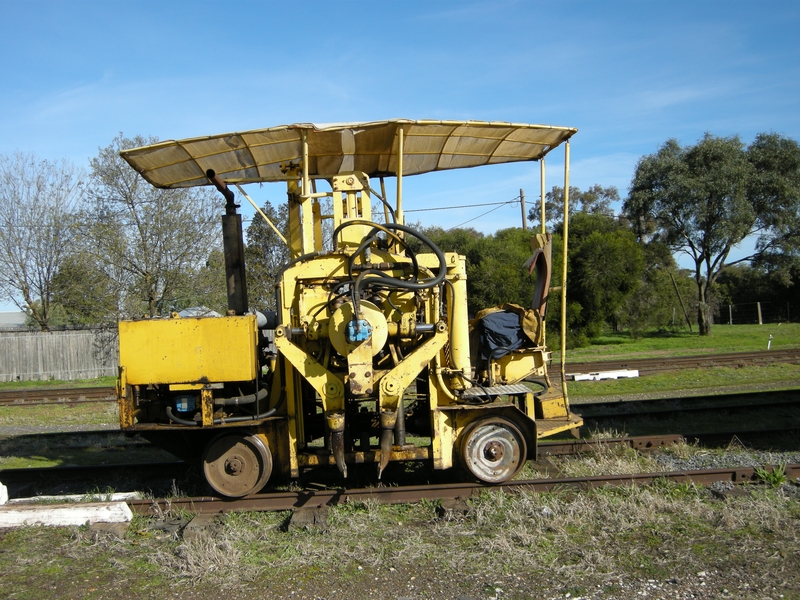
[
  {"x": 65, "y": 473},
  {"x": 35, "y": 397},
  {"x": 647, "y": 366},
  {"x": 664, "y": 406},
  {"x": 311, "y": 498},
  {"x": 398, "y": 495}
]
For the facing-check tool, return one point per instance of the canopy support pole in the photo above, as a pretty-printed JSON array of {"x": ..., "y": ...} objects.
[
  {"x": 564, "y": 277},
  {"x": 305, "y": 201},
  {"x": 541, "y": 180},
  {"x": 399, "y": 211}
]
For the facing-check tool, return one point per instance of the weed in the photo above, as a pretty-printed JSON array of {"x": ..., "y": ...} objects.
[
  {"x": 605, "y": 434},
  {"x": 682, "y": 449},
  {"x": 677, "y": 490},
  {"x": 96, "y": 495},
  {"x": 774, "y": 477}
]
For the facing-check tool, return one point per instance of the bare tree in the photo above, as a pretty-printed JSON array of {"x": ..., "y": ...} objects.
[
  {"x": 153, "y": 239},
  {"x": 38, "y": 199}
]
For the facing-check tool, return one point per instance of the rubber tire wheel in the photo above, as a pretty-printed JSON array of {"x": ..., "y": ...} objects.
[
  {"x": 492, "y": 449},
  {"x": 237, "y": 465}
]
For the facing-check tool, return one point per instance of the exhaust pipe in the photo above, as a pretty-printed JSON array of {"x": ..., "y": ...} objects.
[{"x": 233, "y": 248}]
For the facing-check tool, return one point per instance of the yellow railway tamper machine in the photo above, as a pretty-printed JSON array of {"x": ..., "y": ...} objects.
[{"x": 370, "y": 356}]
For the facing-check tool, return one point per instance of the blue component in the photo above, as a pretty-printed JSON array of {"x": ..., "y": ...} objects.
[
  {"x": 184, "y": 403},
  {"x": 358, "y": 331}
]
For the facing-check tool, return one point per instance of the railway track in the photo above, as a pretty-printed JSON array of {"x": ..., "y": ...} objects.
[
  {"x": 71, "y": 473},
  {"x": 646, "y": 366},
  {"x": 449, "y": 491},
  {"x": 768, "y": 400},
  {"x": 36, "y": 397},
  {"x": 316, "y": 496}
]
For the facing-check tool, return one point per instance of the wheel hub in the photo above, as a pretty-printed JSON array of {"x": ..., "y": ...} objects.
[
  {"x": 234, "y": 465},
  {"x": 493, "y": 451}
]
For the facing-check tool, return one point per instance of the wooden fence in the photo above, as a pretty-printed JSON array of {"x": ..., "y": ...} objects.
[{"x": 41, "y": 356}]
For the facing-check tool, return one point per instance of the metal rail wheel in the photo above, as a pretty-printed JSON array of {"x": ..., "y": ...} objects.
[
  {"x": 237, "y": 465},
  {"x": 492, "y": 449}
]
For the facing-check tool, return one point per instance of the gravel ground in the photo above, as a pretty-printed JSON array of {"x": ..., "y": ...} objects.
[{"x": 717, "y": 460}]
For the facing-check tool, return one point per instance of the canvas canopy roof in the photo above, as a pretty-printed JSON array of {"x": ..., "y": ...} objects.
[{"x": 254, "y": 156}]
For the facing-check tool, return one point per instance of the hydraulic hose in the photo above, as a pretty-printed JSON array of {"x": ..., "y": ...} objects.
[
  {"x": 410, "y": 285},
  {"x": 371, "y": 238},
  {"x": 263, "y": 415},
  {"x": 239, "y": 400}
]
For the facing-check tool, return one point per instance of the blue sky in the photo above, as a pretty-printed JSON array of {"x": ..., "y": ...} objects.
[{"x": 628, "y": 75}]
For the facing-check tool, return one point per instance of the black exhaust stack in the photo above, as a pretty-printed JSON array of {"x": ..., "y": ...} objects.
[{"x": 233, "y": 247}]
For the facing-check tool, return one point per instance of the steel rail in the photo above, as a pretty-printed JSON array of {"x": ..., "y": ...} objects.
[
  {"x": 35, "y": 397},
  {"x": 32, "y": 397},
  {"x": 550, "y": 448},
  {"x": 722, "y": 402},
  {"x": 311, "y": 498},
  {"x": 280, "y": 501},
  {"x": 641, "y": 443},
  {"x": 654, "y": 365}
]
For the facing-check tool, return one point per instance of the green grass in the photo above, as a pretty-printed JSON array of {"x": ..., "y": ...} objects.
[
  {"x": 86, "y": 413},
  {"x": 775, "y": 477},
  {"x": 723, "y": 339}
]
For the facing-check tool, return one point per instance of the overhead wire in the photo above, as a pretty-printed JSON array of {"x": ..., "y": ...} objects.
[
  {"x": 462, "y": 206},
  {"x": 480, "y": 215}
]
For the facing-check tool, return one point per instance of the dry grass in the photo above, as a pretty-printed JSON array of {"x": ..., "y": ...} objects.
[
  {"x": 606, "y": 460},
  {"x": 611, "y": 542},
  {"x": 563, "y": 541}
]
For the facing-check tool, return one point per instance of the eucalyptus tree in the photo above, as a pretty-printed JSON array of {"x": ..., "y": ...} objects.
[
  {"x": 595, "y": 200},
  {"x": 704, "y": 200},
  {"x": 38, "y": 199}
]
